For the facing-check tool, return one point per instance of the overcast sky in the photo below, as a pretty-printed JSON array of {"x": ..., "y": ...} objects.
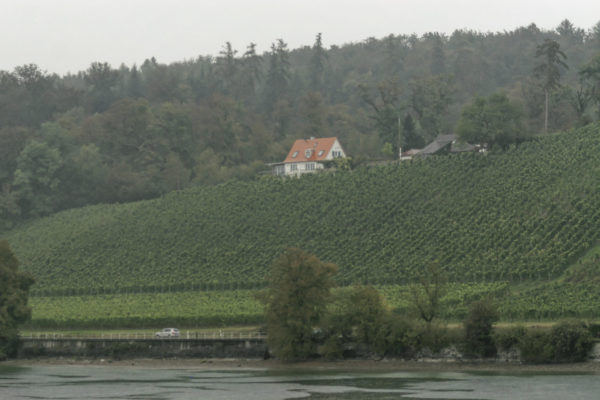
[{"x": 67, "y": 35}]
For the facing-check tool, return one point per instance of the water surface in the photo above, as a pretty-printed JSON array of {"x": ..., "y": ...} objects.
[{"x": 106, "y": 382}]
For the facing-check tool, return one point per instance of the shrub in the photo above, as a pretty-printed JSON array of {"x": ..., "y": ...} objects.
[
  {"x": 536, "y": 348},
  {"x": 396, "y": 337},
  {"x": 568, "y": 341},
  {"x": 594, "y": 330},
  {"x": 479, "y": 341},
  {"x": 571, "y": 341},
  {"x": 9, "y": 343},
  {"x": 433, "y": 336},
  {"x": 506, "y": 339}
]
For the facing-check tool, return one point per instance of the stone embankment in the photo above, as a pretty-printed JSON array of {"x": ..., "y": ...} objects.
[
  {"x": 240, "y": 348},
  {"x": 120, "y": 348}
]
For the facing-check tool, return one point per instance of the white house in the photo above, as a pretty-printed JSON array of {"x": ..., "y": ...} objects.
[{"x": 307, "y": 156}]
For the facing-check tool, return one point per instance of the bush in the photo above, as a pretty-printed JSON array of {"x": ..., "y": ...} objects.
[
  {"x": 395, "y": 337},
  {"x": 479, "y": 341},
  {"x": 566, "y": 342},
  {"x": 536, "y": 348},
  {"x": 433, "y": 336},
  {"x": 506, "y": 339},
  {"x": 9, "y": 343},
  {"x": 594, "y": 330},
  {"x": 571, "y": 341}
]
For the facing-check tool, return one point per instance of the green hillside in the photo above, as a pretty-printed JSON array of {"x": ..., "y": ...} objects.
[
  {"x": 521, "y": 215},
  {"x": 521, "y": 225}
]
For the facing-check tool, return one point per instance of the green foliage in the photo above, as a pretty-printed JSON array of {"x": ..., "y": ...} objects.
[
  {"x": 36, "y": 180},
  {"x": 385, "y": 113},
  {"x": 151, "y": 310},
  {"x": 479, "y": 340},
  {"x": 159, "y": 127},
  {"x": 520, "y": 216},
  {"x": 572, "y": 341},
  {"x": 430, "y": 99},
  {"x": 535, "y": 348},
  {"x": 426, "y": 296},
  {"x": 548, "y": 71},
  {"x": 494, "y": 120},
  {"x": 295, "y": 301},
  {"x": 569, "y": 341},
  {"x": 14, "y": 287},
  {"x": 396, "y": 336},
  {"x": 509, "y": 338},
  {"x": 551, "y": 301},
  {"x": 590, "y": 74},
  {"x": 356, "y": 315}
]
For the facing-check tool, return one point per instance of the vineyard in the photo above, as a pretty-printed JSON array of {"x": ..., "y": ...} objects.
[
  {"x": 147, "y": 310},
  {"x": 507, "y": 219},
  {"x": 545, "y": 301}
]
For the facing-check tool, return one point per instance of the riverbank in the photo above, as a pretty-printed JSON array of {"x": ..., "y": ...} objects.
[{"x": 353, "y": 365}]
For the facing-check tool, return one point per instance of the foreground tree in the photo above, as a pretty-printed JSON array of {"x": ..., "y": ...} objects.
[
  {"x": 426, "y": 296},
  {"x": 479, "y": 340},
  {"x": 14, "y": 290},
  {"x": 297, "y": 297}
]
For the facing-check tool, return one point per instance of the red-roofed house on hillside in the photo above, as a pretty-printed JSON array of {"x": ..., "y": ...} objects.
[{"x": 308, "y": 155}]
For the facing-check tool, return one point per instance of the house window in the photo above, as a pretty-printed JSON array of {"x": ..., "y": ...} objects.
[
  {"x": 321, "y": 152},
  {"x": 336, "y": 154},
  {"x": 279, "y": 170},
  {"x": 310, "y": 166},
  {"x": 307, "y": 153},
  {"x": 295, "y": 154},
  {"x": 293, "y": 167}
]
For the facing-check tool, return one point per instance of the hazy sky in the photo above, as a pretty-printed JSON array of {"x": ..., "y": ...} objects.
[{"x": 67, "y": 35}]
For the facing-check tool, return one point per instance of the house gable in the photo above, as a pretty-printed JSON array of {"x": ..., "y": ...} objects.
[
  {"x": 314, "y": 149},
  {"x": 307, "y": 155}
]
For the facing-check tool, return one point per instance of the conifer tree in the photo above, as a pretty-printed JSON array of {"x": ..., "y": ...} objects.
[{"x": 549, "y": 70}]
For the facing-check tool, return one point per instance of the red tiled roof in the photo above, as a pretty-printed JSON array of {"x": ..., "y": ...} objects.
[{"x": 314, "y": 145}]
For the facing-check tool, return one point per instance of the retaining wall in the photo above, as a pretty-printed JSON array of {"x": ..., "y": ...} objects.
[{"x": 144, "y": 348}]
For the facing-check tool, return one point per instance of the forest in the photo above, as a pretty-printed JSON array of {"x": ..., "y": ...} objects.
[{"x": 116, "y": 134}]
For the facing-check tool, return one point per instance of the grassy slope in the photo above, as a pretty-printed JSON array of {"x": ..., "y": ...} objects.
[
  {"x": 524, "y": 215},
  {"x": 519, "y": 302}
]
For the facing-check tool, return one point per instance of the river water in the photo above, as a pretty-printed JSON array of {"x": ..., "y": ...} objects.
[{"x": 105, "y": 382}]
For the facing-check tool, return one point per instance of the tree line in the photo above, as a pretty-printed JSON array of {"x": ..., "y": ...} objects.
[
  {"x": 304, "y": 320},
  {"x": 117, "y": 134}
]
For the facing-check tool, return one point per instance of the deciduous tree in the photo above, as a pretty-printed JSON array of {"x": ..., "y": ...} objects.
[
  {"x": 386, "y": 112},
  {"x": 14, "y": 291},
  {"x": 494, "y": 120},
  {"x": 297, "y": 297},
  {"x": 478, "y": 329},
  {"x": 430, "y": 99},
  {"x": 426, "y": 296}
]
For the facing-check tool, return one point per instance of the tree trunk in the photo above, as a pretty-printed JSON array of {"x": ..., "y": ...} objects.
[{"x": 546, "y": 114}]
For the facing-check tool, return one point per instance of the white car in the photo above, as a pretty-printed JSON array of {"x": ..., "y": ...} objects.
[{"x": 168, "y": 332}]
